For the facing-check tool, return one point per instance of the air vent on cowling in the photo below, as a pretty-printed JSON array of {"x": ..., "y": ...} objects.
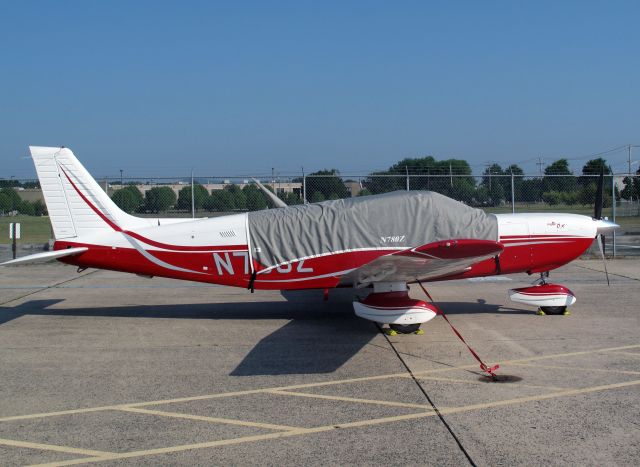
[{"x": 227, "y": 233}]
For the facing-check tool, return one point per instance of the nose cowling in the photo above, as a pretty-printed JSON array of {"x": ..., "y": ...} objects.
[{"x": 605, "y": 227}]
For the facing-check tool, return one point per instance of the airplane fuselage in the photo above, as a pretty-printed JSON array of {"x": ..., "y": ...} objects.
[{"x": 217, "y": 251}]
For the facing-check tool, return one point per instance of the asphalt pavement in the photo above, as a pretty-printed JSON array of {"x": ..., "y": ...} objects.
[{"x": 107, "y": 368}]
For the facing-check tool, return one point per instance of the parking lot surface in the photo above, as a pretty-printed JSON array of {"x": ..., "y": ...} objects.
[{"x": 101, "y": 367}]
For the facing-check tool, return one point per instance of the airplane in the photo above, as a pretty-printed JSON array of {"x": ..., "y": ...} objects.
[{"x": 381, "y": 243}]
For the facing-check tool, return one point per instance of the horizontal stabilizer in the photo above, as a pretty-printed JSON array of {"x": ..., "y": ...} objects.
[{"x": 45, "y": 256}]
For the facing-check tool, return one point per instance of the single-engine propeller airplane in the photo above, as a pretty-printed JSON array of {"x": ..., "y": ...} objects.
[{"x": 383, "y": 242}]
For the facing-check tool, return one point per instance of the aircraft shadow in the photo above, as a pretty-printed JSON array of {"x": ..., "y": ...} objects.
[
  {"x": 480, "y": 306},
  {"x": 319, "y": 337}
]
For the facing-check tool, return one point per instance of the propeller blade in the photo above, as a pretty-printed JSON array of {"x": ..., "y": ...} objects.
[
  {"x": 597, "y": 210},
  {"x": 600, "y": 240}
]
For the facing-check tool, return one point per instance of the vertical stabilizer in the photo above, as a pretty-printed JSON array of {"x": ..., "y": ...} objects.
[{"x": 77, "y": 205}]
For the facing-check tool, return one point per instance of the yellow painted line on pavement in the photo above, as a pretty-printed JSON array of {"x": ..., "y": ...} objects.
[
  {"x": 484, "y": 383},
  {"x": 363, "y": 423},
  {"x": 311, "y": 385},
  {"x": 59, "y": 413},
  {"x": 577, "y": 368},
  {"x": 552, "y": 395},
  {"x": 573, "y": 354},
  {"x": 227, "y": 421},
  {"x": 351, "y": 399},
  {"x": 54, "y": 447}
]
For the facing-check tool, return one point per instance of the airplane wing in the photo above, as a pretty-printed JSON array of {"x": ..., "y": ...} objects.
[
  {"x": 45, "y": 256},
  {"x": 429, "y": 261}
]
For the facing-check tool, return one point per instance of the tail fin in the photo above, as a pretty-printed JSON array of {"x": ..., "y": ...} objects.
[{"x": 77, "y": 205}]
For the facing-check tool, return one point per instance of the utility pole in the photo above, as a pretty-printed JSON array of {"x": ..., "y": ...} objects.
[
  {"x": 450, "y": 174},
  {"x": 121, "y": 184},
  {"x": 193, "y": 198},
  {"x": 540, "y": 164},
  {"x": 488, "y": 164}
]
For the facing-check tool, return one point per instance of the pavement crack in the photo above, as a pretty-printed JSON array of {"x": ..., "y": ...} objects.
[{"x": 431, "y": 402}]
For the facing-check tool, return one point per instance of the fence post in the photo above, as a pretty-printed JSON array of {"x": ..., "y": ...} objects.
[
  {"x": 407, "y": 172},
  {"x": 193, "y": 199},
  {"x": 513, "y": 196},
  {"x": 613, "y": 209},
  {"x": 304, "y": 187}
]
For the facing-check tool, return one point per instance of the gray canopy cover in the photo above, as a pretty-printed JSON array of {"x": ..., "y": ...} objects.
[{"x": 401, "y": 219}]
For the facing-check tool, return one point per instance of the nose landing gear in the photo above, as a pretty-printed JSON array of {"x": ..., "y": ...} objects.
[
  {"x": 550, "y": 299},
  {"x": 395, "y": 329}
]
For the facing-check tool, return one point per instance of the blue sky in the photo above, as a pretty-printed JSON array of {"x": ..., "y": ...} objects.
[{"x": 158, "y": 88}]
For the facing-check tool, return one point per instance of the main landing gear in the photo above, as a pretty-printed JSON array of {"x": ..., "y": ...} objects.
[
  {"x": 389, "y": 303},
  {"x": 550, "y": 299},
  {"x": 553, "y": 310}
]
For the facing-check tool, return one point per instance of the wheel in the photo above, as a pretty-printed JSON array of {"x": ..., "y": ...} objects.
[
  {"x": 554, "y": 310},
  {"x": 405, "y": 328}
]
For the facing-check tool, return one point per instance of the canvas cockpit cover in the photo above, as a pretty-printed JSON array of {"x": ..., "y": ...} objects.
[{"x": 400, "y": 219}]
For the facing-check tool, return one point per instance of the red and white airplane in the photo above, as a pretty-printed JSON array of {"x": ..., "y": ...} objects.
[{"x": 382, "y": 242}]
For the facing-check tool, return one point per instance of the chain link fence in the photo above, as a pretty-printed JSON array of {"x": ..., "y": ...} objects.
[{"x": 213, "y": 196}]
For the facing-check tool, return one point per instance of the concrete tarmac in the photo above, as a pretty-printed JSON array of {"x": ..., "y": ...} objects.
[{"x": 113, "y": 369}]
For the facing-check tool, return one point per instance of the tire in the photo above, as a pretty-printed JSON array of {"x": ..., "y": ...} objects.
[
  {"x": 405, "y": 328},
  {"x": 554, "y": 310}
]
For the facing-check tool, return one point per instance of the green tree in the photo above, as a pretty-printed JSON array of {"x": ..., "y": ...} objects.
[
  {"x": 552, "y": 197},
  {"x": 125, "y": 200},
  {"x": 364, "y": 192},
  {"x": 532, "y": 190},
  {"x": 493, "y": 181},
  {"x": 5, "y": 203},
  {"x": 13, "y": 196},
  {"x": 159, "y": 199},
  {"x": 558, "y": 177},
  {"x": 40, "y": 208},
  {"x": 220, "y": 200},
  {"x": 328, "y": 183},
  {"x": 491, "y": 175},
  {"x": 255, "y": 198},
  {"x": 463, "y": 190},
  {"x": 200, "y": 194},
  {"x": 137, "y": 196},
  {"x": 631, "y": 188},
  {"x": 518, "y": 180},
  {"x": 239, "y": 196},
  {"x": 26, "y": 208},
  {"x": 317, "y": 197},
  {"x": 592, "y": 169},
  {"x": 290, "y": 198},
  {"x": 425, "y": 173}
]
